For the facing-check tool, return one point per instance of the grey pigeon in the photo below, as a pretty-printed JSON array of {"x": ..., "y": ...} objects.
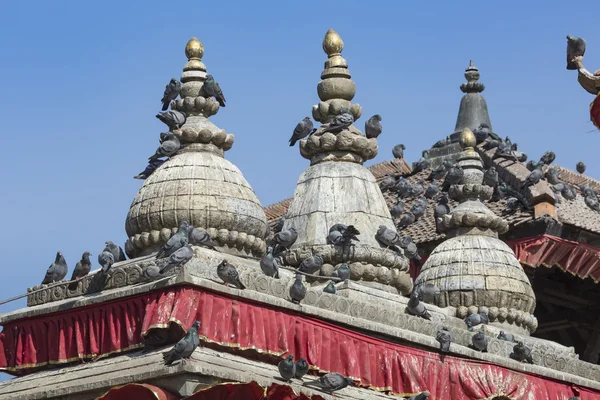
[
  {"x": 521, "y": 353},
  {"x": 185, "y": 347},
  {"x": 373, "y": 126},
  {"x": 342, "y": 272},
  {"x": 287, "y": 368},
  {"x": 297, "y": 290},
  {"x": 580, "y": 167},
  {"x": 398, "y": 151},
  {"x": 416, "y": 189},
  {"x": 432, "y": 190},
  {"x": 330, "y": 288},
  {"x": 444, "y": 337},
  {"x": 568, "y": 192},
  {"x": 402, "y": 187},
  {"x": 534, "y": 177},
  {"x": 499, "y": 192},
  {"x": 56, "y": 271},
  {"x": 442, "y": 142},
  {"x": 150, "y": 168},
  {"x": 416, "y": 307},
  {"x": 512, "y": 204},
  {"x": 491, "y": 143},
  {"x": 151, "y": 271},
  {"x": 548, "y": 158},
  {"x": 286, "y": 238},
  {"x": 175, "y": 242},
  {"x": 531, "y": 165},
  {"x": 575, "y": 48},
  {"x": 437, "y": 173},
  {"x": 342, "y": 121},
  {"x": 172, "y": 118},
  {"x": 229, "y": 275},
  {"x": 520, "y": 156},
  {"x": 476, "y": 319},
  {"x": 388, "y": 237},
  {"x": 406, "y": 219},
  {"x": 199, "y": 237},
  {"x": 387, "y": 182},
  {"x": 397, "y": 209},
  {"x": 179, "y": 258},
  {"x": 279, "y": 225},
  {"x": 506, "y": 336},
  {"x": 82, "y": 268},
  {"x": 506, "y": 150},
  {"x": 421, "y": 396},
  {"x": 428, "y": 293},
  {"x": 302, "y": 130},
  {"x": 410, "y": 249},
  {"x": 343, "y": 236},
  {"x": 480, "y": 341},
  {"x": 421, "y": 165},
  {"x": 167, "y": 148},
  {"x": 591, "y": 200},
  {"x": 301, "y": 368},
  {"x": 106, "y": 260},
  {"x": 552, "y": 176},
  {"x": 171, "y": 92},
  {"x": 453, "y": 177},
  {"x": 418, "y": 208},
  {"x": 311, "y": 264},
  {"x": 115, "y": 250},
  {"x": 490, "y": 177},
  {"x": 442, "y": 208},
  {"x": 482, "y": 132},
  {"x": 211, "y": 88},
  {"x": 270, "y": 265},
  {"x": 331, "y": 382}
]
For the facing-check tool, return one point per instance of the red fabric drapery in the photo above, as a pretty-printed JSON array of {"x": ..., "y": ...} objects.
[
  {"x": 138, "y": 391},
  {"x": 595, "y": 111},
  {"x": 579, "y": 259},
  {"x": 233, "y": 323}
]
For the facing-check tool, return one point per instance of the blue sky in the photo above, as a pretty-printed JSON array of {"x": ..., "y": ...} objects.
[{"x": 82, "y": 82}]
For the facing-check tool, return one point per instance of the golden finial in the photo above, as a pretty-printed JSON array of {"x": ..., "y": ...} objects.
[
  {"x": 467, "y": 139},
  {"x": 194, "y": 49},
  {"x": 333, "y": 43}
]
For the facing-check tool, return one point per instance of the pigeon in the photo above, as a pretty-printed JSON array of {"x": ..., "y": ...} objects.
[
  {"x": 82, "y": 268},
  {"x": 342, "y": 272},
  {"x": 387, "y": 182},
  {"x": 499, "y": 193},
  {"x": 512, "y": 204},
  {"x": 287, "y": 368},
  {"x": 229, "y": 275},
  {"x": 185, "y": 347},
  {"x": 591, "y": 200},
  {"x": 575, "y": 48},
  {"x": 179, "y": 258},
  {"x": 331, "y": 382},
  {"x": 302, "y": 130},
  {"x": 476, "y": 319},
  {"x": 301, "y": 368},
  {"x": 482, "y": 132},
  {"x": 106, "y": 260},
  {"x": 167, "y": 148},
  {"x": 418, "y": 208},
  {"x": 432, "y": 190},
  {"x": 172, "y": 118},
  {"x": 521, "y": 353},
  {"x": 311, "y": 264},
  {"x": 437, "y": 173},
  {"x": 177, "y": 241},
  {"x": 152, "y": 166},
  {"x": 531, "y": 165},
  {"x": 373, "y": 126},
  {"x": 297, "y": 290},
  {"x": 416, "y": 189},
  {"x": 416, "y": 306},
  {"x": 491, "y": 143},
  {"x": 330, "y": 288},
  {"x": 410, "y": 249},
  {"x": 342, "y": 121},
  {"x": 56, "y": 271},
  {"x": 480, "y": 342},
  {"x": 115, "y": 250},
  {"x": 279, "y": 225},
  {"x": 442, "y": 142},
  {"x": 534, "y": 177},
  {"x": 151, "y": 271},
  {"x": 199, "y": 237},
  {"x": 548, "y": 158},
  {"x": 444, "y": 337},
  {"x": 421, "y": 396},
  {"x": 520, "y": 156},
  {"x": 398, "y": 151},
  {"x": 270, "y": 265},
  {"x": 552, "y": 176},
  {"x": 342, "y": 236},
  {"x": 389, "y": 237},
  {"x": 171, "y": 92},
  {"x": 406, "y": 219},
  {"x": 285, "y": 238},
  {"x": 580, "y": 167},
  {"x": 402, "y": 187},
  {"x": 505, "y": 149},
  {"x": 506, "y": 336},
  {"x": 490, "y": 177},
  {"x": 397, "y": 209},
  {"x": 442, "y": 208},
  {"x": 453, "y": 177},
  {"x": 568, "y": 192},
  {"x": 428, "y": 293},
  {"x": 423, "y": 163},
  {"x": 211, "y": 88}
]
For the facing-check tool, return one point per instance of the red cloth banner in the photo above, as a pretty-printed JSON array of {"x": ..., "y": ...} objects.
[
  {"x": 580, "y": 259},
  {"x": 232, "y": 323},
  {"x": 595, "y": 112},
  {"x": 137, "y": 391}
]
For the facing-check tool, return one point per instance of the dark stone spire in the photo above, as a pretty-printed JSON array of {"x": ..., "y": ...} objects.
[{"x": 473, "y": 109}]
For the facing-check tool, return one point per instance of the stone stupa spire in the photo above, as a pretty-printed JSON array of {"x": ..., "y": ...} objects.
[
  {"x": 197, "y": 184},
  {"x": 475, "y": 270},
  {"x": 337, "y": 189}
]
